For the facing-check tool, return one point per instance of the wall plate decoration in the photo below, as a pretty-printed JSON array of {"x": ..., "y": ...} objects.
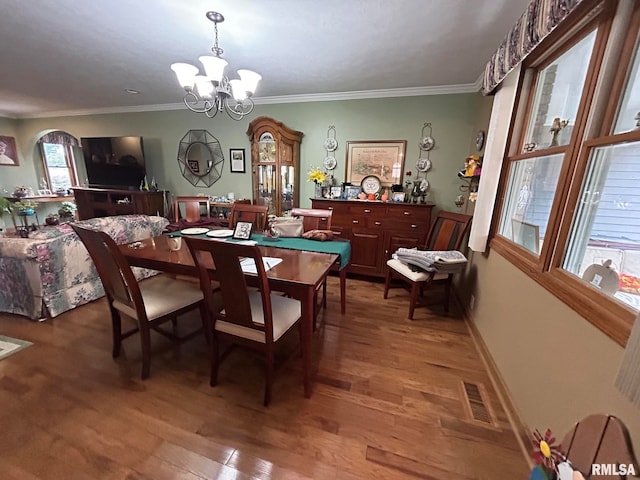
[
  {"x": 423, "y": 164},
  {"x": 371, "y": 184},
  {"x": 480, "y": 140},
  {"x": 200, "y": 158},
  {"x": 330, "y": 162},
  {"x": 330, "y": 144}
]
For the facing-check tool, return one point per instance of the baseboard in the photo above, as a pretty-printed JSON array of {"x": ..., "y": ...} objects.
[{"x": 518, "y": 425}]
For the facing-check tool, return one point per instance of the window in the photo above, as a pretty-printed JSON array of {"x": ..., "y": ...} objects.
[
  {"x": 570, "y": 205},
  {"x": 58, "y": 160}
]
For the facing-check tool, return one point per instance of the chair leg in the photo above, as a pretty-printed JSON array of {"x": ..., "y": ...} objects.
[
  {"x": 269, "y": 377},
  {"x": 213, "y": 381},
  {"x": 145, "y": 339},
  {"x": 116, "y": 327},
  {"x": 415, "y": 290},
  {"x": 205, "y": 323},
  {"x": 174, "y": 323},
  {"x": 447, "y": 292},
  {"x": 387, "y": 283}
]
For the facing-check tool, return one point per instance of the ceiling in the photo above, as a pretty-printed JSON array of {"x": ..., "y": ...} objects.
[{"x": 73, "y": 57}]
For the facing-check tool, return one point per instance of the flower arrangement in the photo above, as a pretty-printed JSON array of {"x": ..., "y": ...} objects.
[
  {"x": 24, "y": 205},
  {"x": 67, "y": 209},
  {"x": 407, "y": 180},
  {"x": 4, "y": 206},
  {"x": 316, "y": 176}
]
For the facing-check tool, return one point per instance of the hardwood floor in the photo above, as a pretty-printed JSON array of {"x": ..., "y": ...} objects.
[{"x": 388, "y": 402}]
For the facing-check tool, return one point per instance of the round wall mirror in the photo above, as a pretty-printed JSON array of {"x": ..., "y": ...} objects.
[{"x": 200, "y": 158}]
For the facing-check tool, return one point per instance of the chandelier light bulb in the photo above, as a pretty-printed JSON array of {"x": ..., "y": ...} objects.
[
  {"x": 213, "y": 67},
  {"x": 250, "y": 80},
  {"x": 204, "y": 87},
  {"x": 186, "y": 74},
  {"x": 238, "y": 90},
  {"x": 210, "y": 93}
]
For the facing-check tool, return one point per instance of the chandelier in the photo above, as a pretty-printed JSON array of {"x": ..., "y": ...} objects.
[{"x": 214, "y": 92}]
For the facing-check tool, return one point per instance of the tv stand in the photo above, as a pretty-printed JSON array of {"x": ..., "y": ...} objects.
[{"x": 106, "y": 202}]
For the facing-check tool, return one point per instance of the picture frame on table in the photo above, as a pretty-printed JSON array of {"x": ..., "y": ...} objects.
[
  {"x": 242, "y": 231},
  {"x": 45, "y": 192},
  {"x": 382, "y": 158},
  {"x": 336, "y": 192},
  {"x": 236, "y": 160},
  {"x": 397, "y": 197},
  {"x": 351, "y": 192}
]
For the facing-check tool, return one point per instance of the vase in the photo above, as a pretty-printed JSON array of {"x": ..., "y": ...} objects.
[
  {"x": 318, "y": 190},
  {"x": 20, "y": 192}
]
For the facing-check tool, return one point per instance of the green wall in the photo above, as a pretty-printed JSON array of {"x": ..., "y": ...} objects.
[{"x": 453, "y": 118}]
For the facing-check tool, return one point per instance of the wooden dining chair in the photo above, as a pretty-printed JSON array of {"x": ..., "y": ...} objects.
[
  {"x": 446, "y": 233},
  {"x": 320, "y": 219},
  {"x": 189, "y": 208},
  {"x": 149, "y": 303},
  {"x": 256, "y": 214},
  {"x": 256, "y": 318},
  {"x": 313, "y": 218}
]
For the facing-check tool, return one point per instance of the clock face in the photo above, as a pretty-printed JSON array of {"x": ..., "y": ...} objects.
[
  {"x": 371, "y": 184},
  {"x": 480, "y": 140}
]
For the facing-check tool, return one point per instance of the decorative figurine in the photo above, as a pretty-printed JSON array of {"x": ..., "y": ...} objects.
[{"x": 555, "y": 129}]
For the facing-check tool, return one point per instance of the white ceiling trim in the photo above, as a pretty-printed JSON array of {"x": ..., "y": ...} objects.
[{"x": 314, "y": 97}]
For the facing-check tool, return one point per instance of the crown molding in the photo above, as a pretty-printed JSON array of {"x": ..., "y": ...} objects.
[{"x": 302, "y": 98}]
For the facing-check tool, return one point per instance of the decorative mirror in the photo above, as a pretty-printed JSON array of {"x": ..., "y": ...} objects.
[{"x": 200, "y": 158}]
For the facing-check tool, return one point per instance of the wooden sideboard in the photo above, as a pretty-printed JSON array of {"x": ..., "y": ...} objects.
[
  {"x": 377, "y": 229},
  {"x": 103, "y": 202}
]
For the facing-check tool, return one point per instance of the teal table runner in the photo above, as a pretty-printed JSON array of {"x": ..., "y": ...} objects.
[{"x": 338, "y": 247}]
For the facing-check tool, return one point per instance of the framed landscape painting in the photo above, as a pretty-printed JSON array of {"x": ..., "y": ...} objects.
[{"x": 382, "y": 158}]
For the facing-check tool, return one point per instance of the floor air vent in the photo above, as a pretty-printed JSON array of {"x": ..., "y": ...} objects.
[{"x": 476, "y": 405}]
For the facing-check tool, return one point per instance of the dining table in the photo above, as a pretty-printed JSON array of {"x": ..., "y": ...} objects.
[{"x": 298, "y": 275}]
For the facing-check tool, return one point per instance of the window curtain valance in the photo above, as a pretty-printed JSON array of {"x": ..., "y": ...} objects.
[
  {"x": 540, "y": 18},
  {"x": 59, "y": 137}
]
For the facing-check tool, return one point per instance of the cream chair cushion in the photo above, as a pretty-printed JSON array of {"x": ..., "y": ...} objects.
[
  {"x": 285, "y": 312},
  {"x": 163, "y": 294},
  {"x": 404, "y": 270}
]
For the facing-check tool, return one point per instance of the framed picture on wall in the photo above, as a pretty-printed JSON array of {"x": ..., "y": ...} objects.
[
  {"x": 8, "y": 151},
  {"x": 382, "y": 158},
  {"x": 237, "y": 160}
]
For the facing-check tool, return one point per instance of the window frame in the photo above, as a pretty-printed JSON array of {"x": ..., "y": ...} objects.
[{"x": 593, "y": 128}]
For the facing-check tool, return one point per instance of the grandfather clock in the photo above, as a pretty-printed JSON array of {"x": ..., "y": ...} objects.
[{"x": 275, "y": 160}]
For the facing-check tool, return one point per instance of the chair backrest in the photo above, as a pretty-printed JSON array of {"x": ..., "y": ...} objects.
[
  {"x": 448, "y": 231},
  {"x": 115, "y": 273},
  {"x": 313, "y": 218},
  {"x": 227, "y": 258},
  {"x": 256, "y": 214},
  {"x": 192, "y": 207}
]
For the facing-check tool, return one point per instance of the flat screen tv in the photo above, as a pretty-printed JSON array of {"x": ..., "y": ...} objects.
[{"x": 114, "y": 162}]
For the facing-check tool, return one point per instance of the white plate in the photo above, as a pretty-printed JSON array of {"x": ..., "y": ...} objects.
[
  {"x": 330, "y": 144},
  {"x": 219, "y": 233},
  {"x": 194, "y": 231},
  {"x": 423, "y": 164},
  {"x": 330, "y": 163},
  {"x": 427, "y": 143}
]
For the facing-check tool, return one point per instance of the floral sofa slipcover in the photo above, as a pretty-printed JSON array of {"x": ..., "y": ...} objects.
[{"x": 51, "y": 272}]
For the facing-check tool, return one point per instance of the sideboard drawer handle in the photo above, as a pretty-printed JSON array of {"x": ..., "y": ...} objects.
[
  {"x": 355, "y": 221},
  {"x": 378, "y": 223},
  {"x": 330, "y": 208},
  {"x": 414, "y": 226},
  {"x": 367, "y": 211},
  {"x": 407, "y": 213}
]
